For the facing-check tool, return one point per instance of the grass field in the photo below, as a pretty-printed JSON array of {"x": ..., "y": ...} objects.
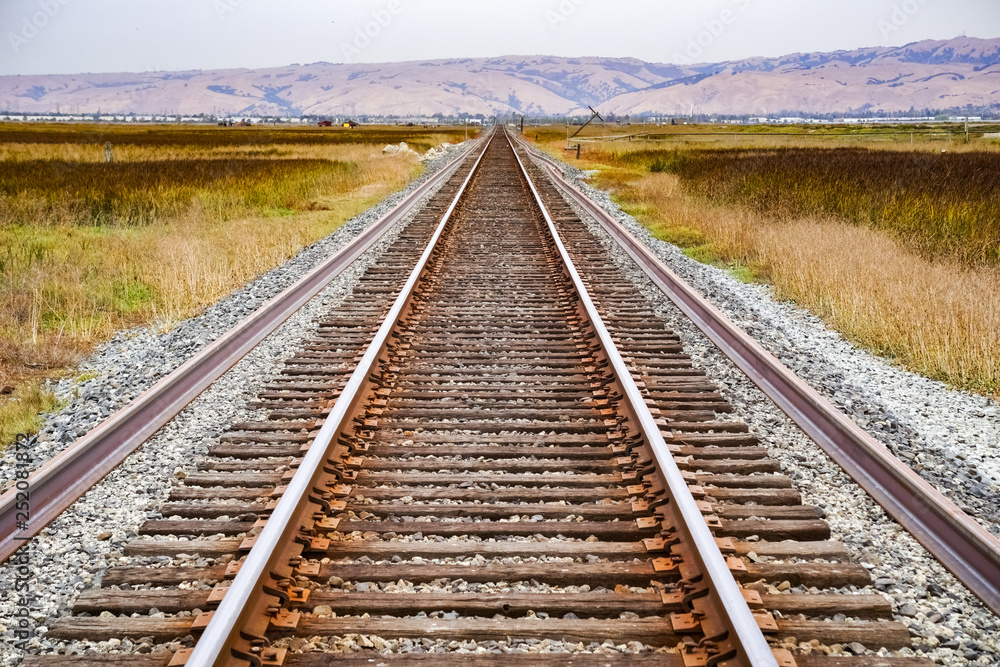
[
  {"x": 53, "y": 193},
  {"x": 948, "y": 136},
  {"x": 894, "y": 244},
  {"x": 940, "y": 204},
  {"x": 181, "y": 217},
  {"x": 187, "y": 137}
]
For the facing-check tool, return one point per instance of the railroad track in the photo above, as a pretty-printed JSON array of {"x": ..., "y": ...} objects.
[{"x": 503, "y": 452}]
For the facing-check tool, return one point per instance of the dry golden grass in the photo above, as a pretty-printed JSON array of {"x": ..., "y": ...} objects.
[
  {"x": 163, "y": 136},
  {"x": 933, "y": 138},
  {"x": 940, "y": 204},
  {"x": 88, "y": 152},
  {"x": 67, "y": 284},
  {"x": 936, "y": 317}
]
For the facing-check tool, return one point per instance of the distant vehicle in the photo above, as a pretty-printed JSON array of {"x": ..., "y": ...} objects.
[
  {"x": 325, "y": 123},
  {"x": 350, "y": 123}
]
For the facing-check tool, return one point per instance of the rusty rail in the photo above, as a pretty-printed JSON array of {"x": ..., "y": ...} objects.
[
  {"x": 59, "y": 482},
  {"x": 554, "y": 391},
  {"x": 247, "y": 596},
  {"x": 739, "y": 630},
  {"x": 257, "y": 584},
  {"x": 962, "y": 545}
]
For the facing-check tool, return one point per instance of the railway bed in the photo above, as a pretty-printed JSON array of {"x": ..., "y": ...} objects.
[{"x": 494, "y": 488}]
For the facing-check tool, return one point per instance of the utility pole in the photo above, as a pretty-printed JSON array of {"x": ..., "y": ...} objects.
[{"x": 592, "y": 117}]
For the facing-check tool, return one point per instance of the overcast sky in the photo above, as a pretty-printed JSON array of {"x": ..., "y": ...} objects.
[{"x": 71, "y": 36}]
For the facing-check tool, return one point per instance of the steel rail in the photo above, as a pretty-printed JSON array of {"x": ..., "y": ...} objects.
[
  {"x": 728, "y": 599},
  {"x": 63, "y": 479},
  {"x": 225, "y": 626},
  {"x": 956, "y": 540}
]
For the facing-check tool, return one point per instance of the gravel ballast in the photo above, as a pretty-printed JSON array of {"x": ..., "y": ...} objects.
[
  {"x": 75, "y": 548},
  {"x": 949, "y": 437},
  {"x": 950, "y": 432}
]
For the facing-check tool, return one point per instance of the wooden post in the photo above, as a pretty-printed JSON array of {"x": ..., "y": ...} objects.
[
  {"x": 107, "y": 152},
  {"x": 578, "y": 151}
]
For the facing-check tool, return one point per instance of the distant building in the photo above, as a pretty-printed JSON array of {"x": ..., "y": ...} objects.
[
  {"x": 325, "y": 123},
  {"x": 350, "y": 123}
]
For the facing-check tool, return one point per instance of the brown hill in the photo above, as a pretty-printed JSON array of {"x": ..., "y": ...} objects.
[{"x": 932, "y": 75}]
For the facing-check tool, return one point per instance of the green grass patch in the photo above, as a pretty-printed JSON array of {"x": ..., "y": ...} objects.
[
  {"x": 636, "y": 210},
  {"x": 705, "y": 254},
  {"x": 20, "y": 411},
  {"x": 744, "y": 274},
  {"x": 692, "y": 242},
  {"x": 679, "y": 235},
  {"x": 130, "y": 295}
]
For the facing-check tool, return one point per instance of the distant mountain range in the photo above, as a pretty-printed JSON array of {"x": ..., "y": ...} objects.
[{"x": 929, "y": 75}]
